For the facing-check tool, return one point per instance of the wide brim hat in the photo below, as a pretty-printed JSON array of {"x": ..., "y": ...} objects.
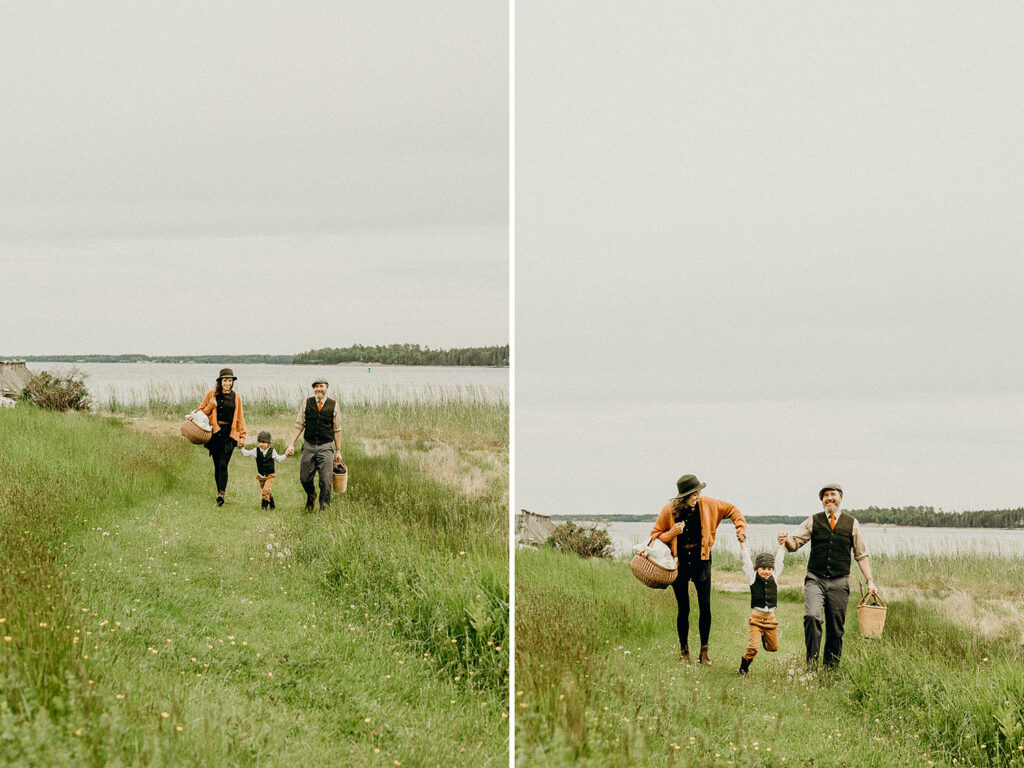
[
  {"x": 830, "y": 487},
  {"x": 226, "y": 373},
  {"x": 321, "y": 381},
  {"x": 765, "y": 560},
  {"x": 686, "y": 485}
]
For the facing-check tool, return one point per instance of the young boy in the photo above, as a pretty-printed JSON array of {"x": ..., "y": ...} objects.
[
  {"x": 265, "y": 458},
  {"x": 763, "y": 598}
]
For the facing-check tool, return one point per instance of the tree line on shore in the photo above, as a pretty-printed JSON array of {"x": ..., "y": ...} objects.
[
  {"x": 391, "y": 354},
  {"x": 922, "y": 517},
  {"x": 405, "y": 354}
]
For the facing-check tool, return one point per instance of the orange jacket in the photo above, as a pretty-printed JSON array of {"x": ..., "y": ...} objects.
[
  {"x": 209, "y": 407},
  {"x": 712, "y": 512}
]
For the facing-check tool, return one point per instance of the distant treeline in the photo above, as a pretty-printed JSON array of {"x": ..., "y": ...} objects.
[
  {"x": 214, "y": 359},
  {"x": 405, "y": 354},
  {"x": 924, "y": 517}
]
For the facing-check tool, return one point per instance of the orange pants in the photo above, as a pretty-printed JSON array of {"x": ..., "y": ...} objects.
[
  {"x": 764, "y": 630},
  {"x": 265, "y": 485}
]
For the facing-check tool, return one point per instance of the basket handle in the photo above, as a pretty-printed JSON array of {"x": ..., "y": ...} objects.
[{"x": 878, "y": 600}]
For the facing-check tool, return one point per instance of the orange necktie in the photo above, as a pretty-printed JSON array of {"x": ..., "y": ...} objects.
[
  {"x": 832, "y": 521},
  {"x": 320, "y": 404}
]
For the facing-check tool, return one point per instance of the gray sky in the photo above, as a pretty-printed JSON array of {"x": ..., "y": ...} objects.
[
  {"x": 772, "y": 244},
  {"x": 154, "y": 152}
]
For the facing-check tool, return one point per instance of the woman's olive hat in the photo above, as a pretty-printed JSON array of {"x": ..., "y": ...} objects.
[
  {"x": 830, "y": 487},
  {"x": 686, "y": 485},
  {"x": 765, "y": 560},
  {"x": 226, "y": 373}
]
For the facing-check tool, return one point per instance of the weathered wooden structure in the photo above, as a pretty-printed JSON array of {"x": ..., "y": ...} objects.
[{"x": 13, "y": 377}]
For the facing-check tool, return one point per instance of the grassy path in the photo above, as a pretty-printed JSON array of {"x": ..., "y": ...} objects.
[
  {"x": 600, "y": 683},
  {"x": 235, "y": 636}
]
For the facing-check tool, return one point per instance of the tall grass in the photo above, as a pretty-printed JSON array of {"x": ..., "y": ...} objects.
[
  {"x": 600, "y": 681},
  {"x": 147, "y": 627}
]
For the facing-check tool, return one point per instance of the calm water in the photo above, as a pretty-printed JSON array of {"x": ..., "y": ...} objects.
[
  {"x": 879, "y": 539},
  {"x": 136, "y": 382}
]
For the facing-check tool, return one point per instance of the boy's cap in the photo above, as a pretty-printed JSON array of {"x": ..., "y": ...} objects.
[
  {"x": 263, "y": 437},
  {"x": 764, "y": 560}
]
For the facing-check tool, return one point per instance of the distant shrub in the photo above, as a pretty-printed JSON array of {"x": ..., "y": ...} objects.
[
  {"x": 58, "y": 393},
  {"x": 584, "y": 540}
]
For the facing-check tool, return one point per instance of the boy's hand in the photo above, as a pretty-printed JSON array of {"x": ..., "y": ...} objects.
[
  {"x": 741, "y": 536},
  {"x": 290, "y": 451},
  {"x": 782, "y": 538}
]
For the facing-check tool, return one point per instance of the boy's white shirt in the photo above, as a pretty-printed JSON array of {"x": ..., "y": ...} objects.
[
  {"x": 273, "y": 453},
  {"x": 751, "y": 573}
]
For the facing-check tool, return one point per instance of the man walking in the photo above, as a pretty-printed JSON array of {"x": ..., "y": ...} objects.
[
  {"x": 833, "y": 535},
  {"x": 320, "y": 423}
]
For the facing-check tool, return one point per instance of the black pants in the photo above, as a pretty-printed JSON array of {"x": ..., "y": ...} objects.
[
  {"x": 692, "y": 568},
  {"x": 221, "y": 447}
]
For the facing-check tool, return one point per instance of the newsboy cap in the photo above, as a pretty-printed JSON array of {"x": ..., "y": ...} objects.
[
  {"x": 830, "y": 487},
  {"x": 765, "y": 560},
  {"x": 321, "y": 381}
]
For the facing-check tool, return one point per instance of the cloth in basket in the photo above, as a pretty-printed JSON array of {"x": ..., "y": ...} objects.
[{"x": 649, "y": 572}]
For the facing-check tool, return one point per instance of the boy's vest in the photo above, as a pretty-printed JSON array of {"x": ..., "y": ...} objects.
[
  {"x": 830, "y": 549},
  {"x": 764, "y": 593},
  {"x": 319, "y": 424},
  {"x": 265, "y": 463}
]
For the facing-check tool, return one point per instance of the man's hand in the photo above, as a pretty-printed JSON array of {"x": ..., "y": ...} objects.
[
  {"x": 782, "y": 536},
  {"x": 872, "y": 589},
  {"x": 290, "y": 450}
]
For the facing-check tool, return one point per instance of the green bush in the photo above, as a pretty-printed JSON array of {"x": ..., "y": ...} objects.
[
  {"x": 584, "y": 540},
  {"x": 58, "y": 393}
]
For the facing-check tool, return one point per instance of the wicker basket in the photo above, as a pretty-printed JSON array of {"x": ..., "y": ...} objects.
[
  {"x": 339, "y": 479},
  {"x": 871, "y": 617},
  {"x": 651, "y": 574},
  {"x": 192, "y": 432}
]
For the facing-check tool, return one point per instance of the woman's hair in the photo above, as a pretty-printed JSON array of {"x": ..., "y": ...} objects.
[{"x": 677, "y": 508}]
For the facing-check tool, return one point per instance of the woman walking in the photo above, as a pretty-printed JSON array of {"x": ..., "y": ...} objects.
[
  {"x": 688, "y": 524},
  {"x": 224, "y": 407}
]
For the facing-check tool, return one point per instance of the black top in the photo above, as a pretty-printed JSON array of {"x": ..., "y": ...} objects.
[
  {"x": 830, "y": 549},
  {"x": 691, "y": 533},
  {"x": 226, "y": 408},
  {"x": 319, "y": 424},
  {"x": 764, "y": 593}
]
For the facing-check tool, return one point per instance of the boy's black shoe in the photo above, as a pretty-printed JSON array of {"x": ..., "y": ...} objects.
[
  {"x": 271, "y": 503},
  {"x": 264, "y": 504},
  {"x": 744, "y": 666}
]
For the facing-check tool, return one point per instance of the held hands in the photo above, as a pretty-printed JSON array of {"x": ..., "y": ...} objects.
[
  {"x": 741, "y": 536},
  {"x": 782, "y": 538},
  {"x": 290, "y": 450}
]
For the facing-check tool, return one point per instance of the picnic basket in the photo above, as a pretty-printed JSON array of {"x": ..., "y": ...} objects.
[
  {"x": 194, "y": 433},
  {"x": 651, "y": 574},
  {"x": 339, "y": 479},
  {"x": 871, "y": 617}
]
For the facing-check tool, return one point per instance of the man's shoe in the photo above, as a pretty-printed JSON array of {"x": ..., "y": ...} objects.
[
  {"x": 704, "y": 659},
  {"x": 685, "y": 654},
  {"x": 744, "y": 666}
]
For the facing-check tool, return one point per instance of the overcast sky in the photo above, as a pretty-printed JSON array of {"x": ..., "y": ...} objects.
[
  {"x": 171, "y": 173},
  {"x": 775, "y": 245}
]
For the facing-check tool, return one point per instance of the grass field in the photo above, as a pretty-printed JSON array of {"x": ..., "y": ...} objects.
[
  {"x": 599, "y": 681},
  {"x": 143, "y": 626}
]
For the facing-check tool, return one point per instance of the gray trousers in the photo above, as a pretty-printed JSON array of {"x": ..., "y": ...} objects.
[
  {"x": 825, "y": 602},
  {"x": 317, "y": 460}
]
